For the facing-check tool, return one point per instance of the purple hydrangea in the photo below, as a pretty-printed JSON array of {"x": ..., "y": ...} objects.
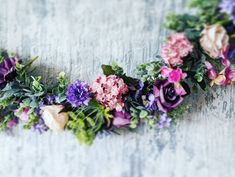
[
  {"x": 164, "y": 121},
  {"x": 7, "y": 71},
  {"x": 78, "y": 94},
  {"x": 228, "y": 7}
]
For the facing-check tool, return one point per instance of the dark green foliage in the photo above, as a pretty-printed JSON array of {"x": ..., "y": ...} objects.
[
  {"x": 117, "y": 70},
  {"x": 140, "y": 114},
  {"x": 194, "y": 66},
  {"x": 181, "y": 23},
  {"x": 192, "y": 25},
  {"x": 178, "y": 113}
]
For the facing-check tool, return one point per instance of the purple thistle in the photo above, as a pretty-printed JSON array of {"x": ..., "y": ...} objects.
[
  {"x": 228, "y": 7},
  {"x": 78, "y": 94},
  {"x": 164, "y": 121},
  {"x": 7, "y": 71}
]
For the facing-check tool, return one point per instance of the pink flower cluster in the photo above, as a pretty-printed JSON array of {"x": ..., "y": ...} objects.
[
  {"x": 109, "y": 91},
  {"x": 173, "y": 75},
  {"x": 22, "y": 113},
  {"x": 177, "y": 47},
  {"x": 226, "y": 76}
]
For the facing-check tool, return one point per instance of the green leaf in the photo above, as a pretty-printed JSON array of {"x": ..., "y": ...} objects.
[
  {"x": 29, "y": 63},
  {"x": 186, "y": 87},
  {"x": 143, "y": 114},
  {"x": 90, "y": 121},
  {"x": 107, "y": 70},
  {"x": 203, "y": 85},
  {"x": 72, "y": 115},
  {"x": 81, "y": 123}
]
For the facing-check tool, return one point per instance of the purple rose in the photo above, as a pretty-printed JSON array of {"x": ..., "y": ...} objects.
[
  {"x": 7, "y": 71},
  {"x": 121, "y": 119},
  {"x": 167, "y": 96}
]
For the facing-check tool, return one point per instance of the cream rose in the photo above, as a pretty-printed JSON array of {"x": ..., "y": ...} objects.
[
  {"x": 55, "y": 120},
  {"x": 213, "y": 39}
]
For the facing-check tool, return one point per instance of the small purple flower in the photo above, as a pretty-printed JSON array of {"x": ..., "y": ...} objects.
[
  {"x": 40, "y": 126},
  {"x": 164, "y": 121},
  {"x": 139, "y": 90},
  {"x": 166, "y": 95},
  {"x": 12, "y": 123},
  {"x": 228, "y": 7},
  {"x": 50, "y": 99},
  {"x": 231, "y": 52},
  {"x": 78, "y": 94},
  {"x": 7, "y": 71},
  {"x": 121, "y": 119},
  {"x": 151, "y": 103}
]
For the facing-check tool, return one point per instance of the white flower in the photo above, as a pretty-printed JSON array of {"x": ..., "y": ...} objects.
[
  {"x": 54, "y": 118},
  {"x": 213, "y": 39}
]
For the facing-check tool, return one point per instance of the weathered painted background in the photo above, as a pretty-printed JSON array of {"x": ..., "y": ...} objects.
[{"x": 77, "y": 36}]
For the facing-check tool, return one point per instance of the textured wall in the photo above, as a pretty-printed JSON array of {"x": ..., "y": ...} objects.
[{"x": 77, "y": 36}]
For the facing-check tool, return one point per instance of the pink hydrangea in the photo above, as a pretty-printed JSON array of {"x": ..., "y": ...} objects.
[
  {"x": 177, "y": 47},
  {"x": 173, "y": 75},
  {"x": 109, "y": 91}
]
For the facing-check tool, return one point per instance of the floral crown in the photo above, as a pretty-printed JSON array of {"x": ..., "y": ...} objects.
[{"x": 197, "y": 56}]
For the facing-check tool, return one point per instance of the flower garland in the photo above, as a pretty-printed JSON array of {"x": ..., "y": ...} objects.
[{"x": 198, "y": 55}]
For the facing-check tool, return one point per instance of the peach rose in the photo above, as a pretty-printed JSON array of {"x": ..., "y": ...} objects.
[
  {"x": 213, "y": 39},
  {"x": 53, "y": 118}
]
